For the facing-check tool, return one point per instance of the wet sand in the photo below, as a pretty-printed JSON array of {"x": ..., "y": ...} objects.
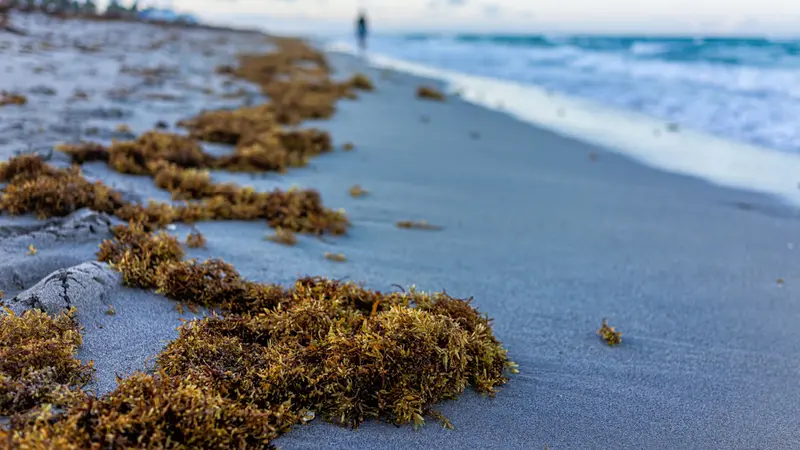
[{"x": 548, "y": 239}]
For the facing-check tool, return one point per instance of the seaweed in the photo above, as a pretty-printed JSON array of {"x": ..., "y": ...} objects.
[
  {"x": 179, "y": 165},
  {"x": 266, "y": 357},
  {"x": 429, "y": 93},
  {"x": 228, "y": 126},
  {"x": 184, "y": 184},
  {"x": 347, "y": 358},
  {"x": 84, "y": 152},
  {"x": 283, "y": 236},
  {"x": 154, "y": 411},
  {"x": 123, "y": 128},
  {"x": 338, "y": 257},
  {"x": 50, "y": 192},
  {"x": 212, "y": 282},
  {"x": 37, "y": 361},
  {"x": 419, "y": 225},
  {"x": 138, "y": 255},
  {"x": 25, "y": 168},
  {"x": 357, "y": 191},
  {"x": 10, "y": 98},
  {"x": 173, "y": 161},
  {"x": 362, "y": 82},
  {"x": 79, "y": 95},
  {"x": 195, "y": 240},
  {"x": 609, "y": 334},
  {"x": 143, "y": 155},
  {"x": 296, "y": 78},
  {"x": 276, "y": 358}
]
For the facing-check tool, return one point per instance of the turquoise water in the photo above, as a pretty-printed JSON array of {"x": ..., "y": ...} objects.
[{"x": 744, "y": 89}]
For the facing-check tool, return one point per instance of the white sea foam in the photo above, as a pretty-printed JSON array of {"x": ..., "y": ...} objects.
[{"x": 640, "y": 137}]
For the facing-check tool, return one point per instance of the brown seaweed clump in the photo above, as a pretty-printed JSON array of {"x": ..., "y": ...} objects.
[
  {"x": 149, "y": 151},
  {"x": 174, "y": 162},
  {"x": 49, "y": 192},
  {"x": 139, "y": 255},
  {"x": 283, "y": 236},
  {"x": 297, "y": 79},
  {"x": 229, "y": 126},
  {"x": 37, "y": 361},
  {"x": 123, "y": 128},
  {"x": 429, "y": 93},
  {"x": 153, "y": 411},
  {"x": 154, "y": 261},
  {"x": 357, "y": 191},
  {"x": 195, "y": 240},
  {"x": 362, "y": 82},
  {"x": 337, "y": 257},
  {"x": 144, "y": 156},
  {"x": 347, "y": 353},
  {"x": 297, "y": 100},
  {"x": 210, "y": 283},
  {"x": 259, "y": 147},
  {"x": 10, "y": 98},
  {"x": 334, "y": 349},
  {"x": 84, "y": 152},
  {"x": 25, "y": 168},
  {"x": 609, "y": 334}
]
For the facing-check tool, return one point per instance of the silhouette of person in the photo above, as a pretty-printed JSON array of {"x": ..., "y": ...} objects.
[
  {"x": 361, "y": 30},
  {"x": 5, "y": 11}
]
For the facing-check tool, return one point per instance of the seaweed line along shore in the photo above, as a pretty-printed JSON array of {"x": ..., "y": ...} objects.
[{"x": 257, "y": 358}]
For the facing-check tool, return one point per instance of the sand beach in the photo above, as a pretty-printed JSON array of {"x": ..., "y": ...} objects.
[{"x": 549, "y": 235}]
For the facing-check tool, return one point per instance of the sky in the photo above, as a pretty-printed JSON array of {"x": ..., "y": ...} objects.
[{"x": 694, "y": 17}]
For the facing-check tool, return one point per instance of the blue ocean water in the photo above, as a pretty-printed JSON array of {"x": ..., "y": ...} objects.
[{"x": 745, "y": 89}]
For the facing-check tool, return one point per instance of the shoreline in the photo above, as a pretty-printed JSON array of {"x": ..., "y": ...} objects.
[
  {"x": 648, "y": 140},
  {"x": 549, "y": 241}
]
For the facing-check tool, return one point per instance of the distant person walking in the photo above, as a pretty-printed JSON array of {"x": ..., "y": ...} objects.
[
  {"x": 5, "y": 11},
  {"x": 361, "y": 31}
]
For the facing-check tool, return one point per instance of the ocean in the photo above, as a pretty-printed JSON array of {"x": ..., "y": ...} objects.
[{"x": 742, "y": 89}]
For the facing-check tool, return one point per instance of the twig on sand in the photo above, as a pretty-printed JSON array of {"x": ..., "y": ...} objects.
[
  {"x": 338, "y": 257},
  {"x": 420, "y": 225}
]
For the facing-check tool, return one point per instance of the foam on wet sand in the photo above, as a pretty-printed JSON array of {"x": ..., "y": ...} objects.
[
  {"x": 550, "y": 241},
  {"x": 652, "y": 142}
]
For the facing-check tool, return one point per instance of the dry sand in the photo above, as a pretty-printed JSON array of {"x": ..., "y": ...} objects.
[{"x": 547, "y": 240}]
